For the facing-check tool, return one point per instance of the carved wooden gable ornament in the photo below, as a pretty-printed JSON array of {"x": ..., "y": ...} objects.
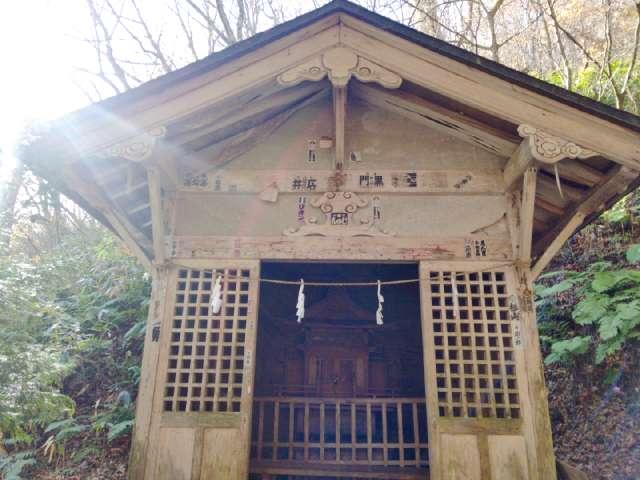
[
  {"x": 338, "y": 209},
  {"x": 339, "y": 65}
]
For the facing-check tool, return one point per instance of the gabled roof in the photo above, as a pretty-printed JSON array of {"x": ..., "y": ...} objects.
[
  {"x": 241, "y": 48},
  {"x": 211, "y": 107}
]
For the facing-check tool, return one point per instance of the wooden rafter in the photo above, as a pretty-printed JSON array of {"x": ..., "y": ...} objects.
[
  {"x": 549, "y": 185},
  {"x": 130, "y": 235},
  {"x": 236, "y": 113},
  {"x": 219, "y": 154},
  {"x": 434, "y": 116}
]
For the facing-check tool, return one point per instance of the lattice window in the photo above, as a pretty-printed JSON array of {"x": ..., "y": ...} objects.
[
  {"x": 473, "y": 345},
  {"x": 206, "y": 350}
]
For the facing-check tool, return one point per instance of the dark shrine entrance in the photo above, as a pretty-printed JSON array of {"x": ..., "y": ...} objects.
[{"x": 338, "y": 395}]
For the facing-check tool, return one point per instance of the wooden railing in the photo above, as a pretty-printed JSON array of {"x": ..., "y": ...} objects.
[
  {"x": 390, "y": 432},
  {"x": 313, "y": 390}
]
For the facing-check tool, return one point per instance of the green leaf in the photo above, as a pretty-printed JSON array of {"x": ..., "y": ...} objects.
[
  {"x": 628, "y": 311},
  {"x": 610, "y": 326},
  {"x": 70, "y": 432},
  {"x": 119, "y": 429},
  {"x": 603, "y": 281},
  {"x": 565, "y": 349},
  {"x": 633, "y": 253},
  {"x": 59, "y": 424},
  {"x": 136, "y": 331},
  {"x": 591, "y": 309},
  {"x": 556, "y": 288}
]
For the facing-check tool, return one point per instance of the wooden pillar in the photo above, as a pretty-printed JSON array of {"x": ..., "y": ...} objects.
[
  {"x": 138, "y": 455},
  {"x": 537, "y": 423}
]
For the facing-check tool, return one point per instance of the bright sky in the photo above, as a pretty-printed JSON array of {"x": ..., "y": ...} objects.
[
  {"x": 41, "y": 48},
  {"x": 38, "y": 53}
]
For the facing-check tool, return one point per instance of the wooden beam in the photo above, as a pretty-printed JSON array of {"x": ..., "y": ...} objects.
[
  {"x": 435, "y": 116},
  {"x": 575, "y": 171},
  {"x": 527, "y": 210},
  {"x": 562, "y": 236},
  {"x": 125, "y": 231},
  {"x": 157, "y": 216},
  {"x": 518, "y": 162},
  {"x": 549, "y": 185},
  {"x": 340, "y": 114},
  {"x": 548, "y": 206},
  {"x": 616, "y": 182}
]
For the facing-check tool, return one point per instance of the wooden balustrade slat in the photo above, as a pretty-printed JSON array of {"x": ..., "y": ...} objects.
[{"x": 364, "y": 417}]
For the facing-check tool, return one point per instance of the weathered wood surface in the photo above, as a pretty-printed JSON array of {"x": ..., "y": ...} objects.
[
  {"x": 495, "y": 448},
  {"x": 268, "y": 468},
  {"x": 372, "y": 180},
  {"x": 483, "y": 91},
  {"x": 288, "y": 437},
  {"x": 213, "y": 431},
  {"x": 337, "y": 248}
]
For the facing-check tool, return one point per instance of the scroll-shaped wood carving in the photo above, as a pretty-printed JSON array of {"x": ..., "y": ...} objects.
[
  {"x": 338, "y": 209},
  {"x": 340, "y": 64},
  {"x": 548, "y": 148},
  {"x": 138, "y": 148}
]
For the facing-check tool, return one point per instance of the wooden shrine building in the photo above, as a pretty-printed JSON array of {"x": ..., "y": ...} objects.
[{"x": 342, "y": 149}]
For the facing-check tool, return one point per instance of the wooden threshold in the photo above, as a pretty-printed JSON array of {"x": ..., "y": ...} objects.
[{"x": 312, "y": 469}]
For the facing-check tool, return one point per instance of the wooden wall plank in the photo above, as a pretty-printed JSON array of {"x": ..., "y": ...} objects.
[
  {"x": 453, "y": 182},
  {"x": 508, "y": 457},
  {"x": 343, "y": 248},
  {"x": 447, "y": 121}
]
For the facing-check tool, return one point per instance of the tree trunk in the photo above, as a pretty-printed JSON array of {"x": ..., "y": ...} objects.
[{"x": 9, "y": 188}]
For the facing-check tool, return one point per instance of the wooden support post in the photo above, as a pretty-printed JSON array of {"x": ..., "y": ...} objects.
[
  {"x": 138, "y": 455},
  {"x": 526, "y": 213},
  {"x": 157, "y": 214},
  {"x": 537, "y": 428},
  {"x": 340, "y": 113},
  {"x": 517, "y": 164}
]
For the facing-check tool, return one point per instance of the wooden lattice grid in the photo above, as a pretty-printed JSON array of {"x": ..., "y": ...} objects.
[
  {"x": 475, "y": 362},
  {"x": 206, "y": 356}
]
